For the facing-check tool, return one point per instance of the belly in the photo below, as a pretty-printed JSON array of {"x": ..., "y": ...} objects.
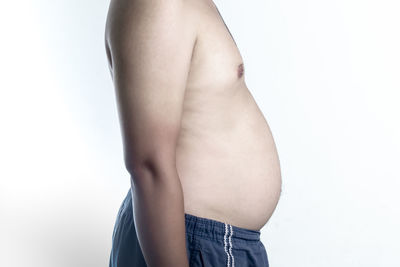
[{"x": 227, "y": 160}]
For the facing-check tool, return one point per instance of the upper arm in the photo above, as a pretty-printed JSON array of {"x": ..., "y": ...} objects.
[{"x": 151, "y": 44}]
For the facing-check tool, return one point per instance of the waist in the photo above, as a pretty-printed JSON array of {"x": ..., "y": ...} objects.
[{"x": 218, "y": 231}]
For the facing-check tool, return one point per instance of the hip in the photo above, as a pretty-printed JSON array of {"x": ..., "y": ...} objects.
[{"x": 208, "y": 242}]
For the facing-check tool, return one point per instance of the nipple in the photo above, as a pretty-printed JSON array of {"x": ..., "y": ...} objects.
[{"x": 240, "y": 70}]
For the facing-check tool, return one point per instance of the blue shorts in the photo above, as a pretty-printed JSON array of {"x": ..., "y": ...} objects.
[{"x": 209, "y": 243}]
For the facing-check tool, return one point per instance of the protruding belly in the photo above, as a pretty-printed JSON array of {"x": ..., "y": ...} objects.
[{"x": 227, "y": 161}]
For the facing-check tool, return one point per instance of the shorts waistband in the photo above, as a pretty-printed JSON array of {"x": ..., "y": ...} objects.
[{"x": 216, "y": 229}]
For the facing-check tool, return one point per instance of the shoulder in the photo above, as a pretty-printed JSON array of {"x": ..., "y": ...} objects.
[{"x": 159, "y": 15}]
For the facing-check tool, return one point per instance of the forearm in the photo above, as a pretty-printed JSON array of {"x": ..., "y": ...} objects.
[{"x": 159, "y": 218}]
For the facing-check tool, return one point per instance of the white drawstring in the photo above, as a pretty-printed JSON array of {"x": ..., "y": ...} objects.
[
  {"x": 230, "y": 248},
  {"x": 230, "y": 245},
  {"x": 226, "y": 251}
]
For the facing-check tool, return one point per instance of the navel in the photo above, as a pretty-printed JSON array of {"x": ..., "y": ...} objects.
[{"x": 240, "y": 70}]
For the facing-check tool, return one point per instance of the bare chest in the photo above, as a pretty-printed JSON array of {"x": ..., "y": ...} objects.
[{"x": 217, "y": 64}]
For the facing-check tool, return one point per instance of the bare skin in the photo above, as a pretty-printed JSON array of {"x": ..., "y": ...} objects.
[
  {"x": 195, "y": 140},
  {"x": 226, "y": 156}
]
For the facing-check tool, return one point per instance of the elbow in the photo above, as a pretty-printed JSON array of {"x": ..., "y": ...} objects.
[{"x": 151, "y": 167}]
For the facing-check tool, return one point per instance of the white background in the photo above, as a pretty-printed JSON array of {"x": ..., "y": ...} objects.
[{"x": 324, "y": 73}]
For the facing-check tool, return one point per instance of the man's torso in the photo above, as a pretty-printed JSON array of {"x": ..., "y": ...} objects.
[{"x": 226, "y": 156}]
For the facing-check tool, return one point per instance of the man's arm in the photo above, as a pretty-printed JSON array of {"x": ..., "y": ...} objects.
[{"x": 151, "y": 44}]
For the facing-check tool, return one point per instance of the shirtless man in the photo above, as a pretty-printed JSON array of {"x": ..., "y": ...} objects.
[{"x": 198, "y": 149}]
